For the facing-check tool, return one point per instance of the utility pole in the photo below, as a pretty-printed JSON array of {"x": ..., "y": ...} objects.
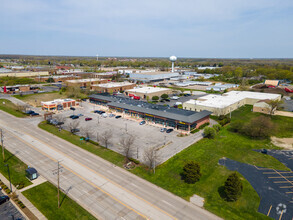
[
  {"x": 59, "y": 169},
  {"x": 2, "y": 140}
]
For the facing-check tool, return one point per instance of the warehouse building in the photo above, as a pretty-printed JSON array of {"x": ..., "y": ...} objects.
[
  {"x": 113, "y": 87},
  {"x": 155, "y": 114},
  {"x": 58, "y": 104},
  {"x": 147, "y": 92},
  {"x": 85, "y": 83},
  {"x": 19, "y": 89},
  {"x": 228, "y": 102},
  {"x": 153, "y": 76},
  {"x": 56, "y": 78}
]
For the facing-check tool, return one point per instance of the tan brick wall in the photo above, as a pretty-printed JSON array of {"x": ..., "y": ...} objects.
[
  {"x": 262, "y": 110},
  {"x": 202, "y": 121}
]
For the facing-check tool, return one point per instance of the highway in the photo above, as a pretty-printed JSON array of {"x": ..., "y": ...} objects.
[{"x": 105, "y": 190}]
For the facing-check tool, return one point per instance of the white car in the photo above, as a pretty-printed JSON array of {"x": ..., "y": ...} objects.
[
  {"x": 104, "y": 115},
  {"x": 175, "y": 97}
]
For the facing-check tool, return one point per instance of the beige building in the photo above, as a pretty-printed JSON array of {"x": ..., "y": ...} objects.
[
  {"x": 263, "y": 107},
  {"x": 272, "y": 82},
  {"x": 85, "y": 83},
  {"x": 228, "y": 102},
  {"x": 113, "y": 87},
  {"x": 149, "y": 92}
]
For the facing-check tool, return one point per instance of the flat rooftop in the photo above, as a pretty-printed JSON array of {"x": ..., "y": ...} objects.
[
  {"x": 84, "y": 80},
  {"x": 57, "y": 101},
  {"x": 148, "y": 90},
  {"x": 229, "y": 98},
  {"x": 113, "y": 84},
  {"x": 152, "y": 109}
]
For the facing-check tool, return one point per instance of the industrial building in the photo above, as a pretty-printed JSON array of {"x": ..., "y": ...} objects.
[
  {"x": 19, "y": 89},
  {"x": 157, "y": 114},
  {"x": 56, "y": 78},
  {"x": 58, "y": 104},
  {"x": 228, "y": 102},
  {"x": 147, "y": 92},
  {"x": 113, "y": 87},
  {"x": 85, "y": 83},
  {"x": 153, "y": 76},
  {"x": 219, "y": 87},
  {"x": 192, "y": 83},
  {"x": 263, "y": 106}
]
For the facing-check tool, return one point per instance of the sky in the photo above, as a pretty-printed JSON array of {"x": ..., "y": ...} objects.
[{"x": 149, "y": 28}]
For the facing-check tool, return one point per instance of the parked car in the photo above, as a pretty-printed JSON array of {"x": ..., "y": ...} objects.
[
  {"x": 264, "y": 151},
  {"x": 111, "y": 115},
  {"x": 34, "y": 114},
  {"x": 167, "y": 100},
  {"x": 71, "y": 108},
  {"x": 60, "y": 123},
  {"x": 118, "y": 116},
  {"x": 75, "y": 130},
  {"x": 79, "y": 115},
  {"x": 3, "y": 199},
  {"x": 75, "y": 117},
  {"x": 163, "y": 129},
  {"x": 88, "y": 119},
  {"x": 96, "y": 111},
  {"x": 169, "y": 130},
  {"x": 71, "y": 116},
  {"x": 142, "y": 123},
  {"x": 30, "y": 112}
]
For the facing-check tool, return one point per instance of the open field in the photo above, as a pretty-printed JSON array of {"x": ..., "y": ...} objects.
[
  {"x": 16, "y": 167},
  {"x": 11, "y": 108},
  {"x": 36, "y": 99},
  {"x": 44, "y": 197}
]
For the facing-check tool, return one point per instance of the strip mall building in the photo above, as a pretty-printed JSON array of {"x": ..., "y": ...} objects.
[{"x": 168, "y": 117}]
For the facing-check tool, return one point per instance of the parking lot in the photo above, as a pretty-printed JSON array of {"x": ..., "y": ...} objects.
[
  {"x": 145, "y": 136},
  {"x": 8, "y": 211},
  {"x": 274, "y": 187}
]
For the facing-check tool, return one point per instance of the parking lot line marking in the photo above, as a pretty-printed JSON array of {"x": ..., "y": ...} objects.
[
  {"x": 262, "y": 168},
  {"x": 277, "y": 172},
  {"x": 281, "y": 215},
  {"x": 289, "y": 192},
  {"x": 269, "y": 211},
  {"x": 286, "y": 186},
  {"x": 291, "y": 182},
  {"x": 283, "y": 181},
  {"x": 275, "y": 177}
]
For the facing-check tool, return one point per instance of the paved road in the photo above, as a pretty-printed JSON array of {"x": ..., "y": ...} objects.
[{"x": 107, "y": 191}]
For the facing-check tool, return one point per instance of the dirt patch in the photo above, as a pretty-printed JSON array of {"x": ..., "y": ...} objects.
[{"x": 286, "y": 143}]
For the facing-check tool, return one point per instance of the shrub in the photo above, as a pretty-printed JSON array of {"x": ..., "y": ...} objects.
[
  {"x": 233, "y": 187},
  {"x": 217, "y": 127},
  {"x": 134, "y": 160},
  {"x": 236, "y": 126},
  {"x": 203, "y": 125},
  {"x": 209, "y": 132},
  {"x": 194, "y": 131},
  {"x": 191, "y": 172},
  {"x": 155, "y": 98},
  {"x": 259, "y": 127},
  {"x": 164, "y": 96}
]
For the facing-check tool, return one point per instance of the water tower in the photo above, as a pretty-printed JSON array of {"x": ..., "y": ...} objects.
[{"x": 173, "y": 59}]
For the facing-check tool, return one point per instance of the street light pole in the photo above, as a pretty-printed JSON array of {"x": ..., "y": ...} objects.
[
  {"x": 164, "y": 140},
  {"x": 7, "y": 165}
]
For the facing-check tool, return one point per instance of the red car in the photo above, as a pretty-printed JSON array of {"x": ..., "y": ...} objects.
[{"x": 88, "y": 119}]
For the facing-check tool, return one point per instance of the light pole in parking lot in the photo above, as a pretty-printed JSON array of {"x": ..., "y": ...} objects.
[
  {"x": 164, "y": 140},
  {"x": 126, "y": 127}
]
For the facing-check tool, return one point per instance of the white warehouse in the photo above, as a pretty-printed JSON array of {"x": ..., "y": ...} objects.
[{"x": 228, "y": 102}]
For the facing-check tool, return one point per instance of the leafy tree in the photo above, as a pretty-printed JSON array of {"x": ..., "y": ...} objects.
[
  {"x": 233, "y": 187},
  {"x": 209, "y": 132},
  {"x": 155, "y": 98},
  {"x": 274, "y": 105},
  {"x": 217, "y": 127},
  {"x": 50, "y": 80},
  {"x": 191, "y": 172},
  {"x": 164, "y": 96},
  {"x": 259, "y": 127},
  {"x": 236, "y": 126}
]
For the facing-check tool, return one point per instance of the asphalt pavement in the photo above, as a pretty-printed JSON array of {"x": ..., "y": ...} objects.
[
  {"x": 274, "y": 187},
  {"x": 9, "y": 212}
]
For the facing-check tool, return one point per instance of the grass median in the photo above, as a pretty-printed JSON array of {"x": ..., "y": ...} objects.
[
  {"x": 96, "y": 149},
  {"x": 44, "y": 197},
  {"x": 11, "y": 108},
  {"x": 17, "y": 170}
]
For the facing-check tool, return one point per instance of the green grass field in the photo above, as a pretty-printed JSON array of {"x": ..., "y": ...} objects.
[
  {"x": 11, "y": 108},
  {"x": 17, "y": 169},
  {"x": 102, "y": 152},
  {"x": 44, "y": 197}
]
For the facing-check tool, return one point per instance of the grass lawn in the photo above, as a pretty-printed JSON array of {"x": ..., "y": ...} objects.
[
  {"x": 36, "y": 99},
  {"x": 102, "y": 152},
  {"x": 44, "y": 197},
  {"x": 11, "y": 108},
  {"x": 16, "y": 167},
  {"x": 207, "y": 152}
]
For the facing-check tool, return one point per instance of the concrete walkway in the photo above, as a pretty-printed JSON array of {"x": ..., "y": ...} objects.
[
  {"x": 24, "y": 200},
  {"x": 35, "y": 182},
  {"x": 283, "y": 113}
]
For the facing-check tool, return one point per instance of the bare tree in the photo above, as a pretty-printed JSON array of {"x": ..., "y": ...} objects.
[
  {"x": 87, "y": 132},
  {"x": 105, "y": 137},
  {"x": 23, "y": 107},
  {"x": 126, "y": 143},
  {"x": 73, "y": 126},
  {"x": 60, "y": 118},
  {"x": 151, "y": 157}
]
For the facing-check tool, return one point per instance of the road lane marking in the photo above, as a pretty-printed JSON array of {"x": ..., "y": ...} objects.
[
  {"x": 93, "y": 172},
  {"x": 27, "y": 143}
]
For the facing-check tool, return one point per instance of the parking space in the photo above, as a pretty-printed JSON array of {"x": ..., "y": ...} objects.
[
  {"x": 8, "y": 211},
  {"x": 146, "y": 136},
  {"x": 274, "y": 187}
]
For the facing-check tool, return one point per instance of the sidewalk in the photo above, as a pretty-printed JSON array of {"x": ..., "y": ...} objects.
[{"x": 24, "y": 200}]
